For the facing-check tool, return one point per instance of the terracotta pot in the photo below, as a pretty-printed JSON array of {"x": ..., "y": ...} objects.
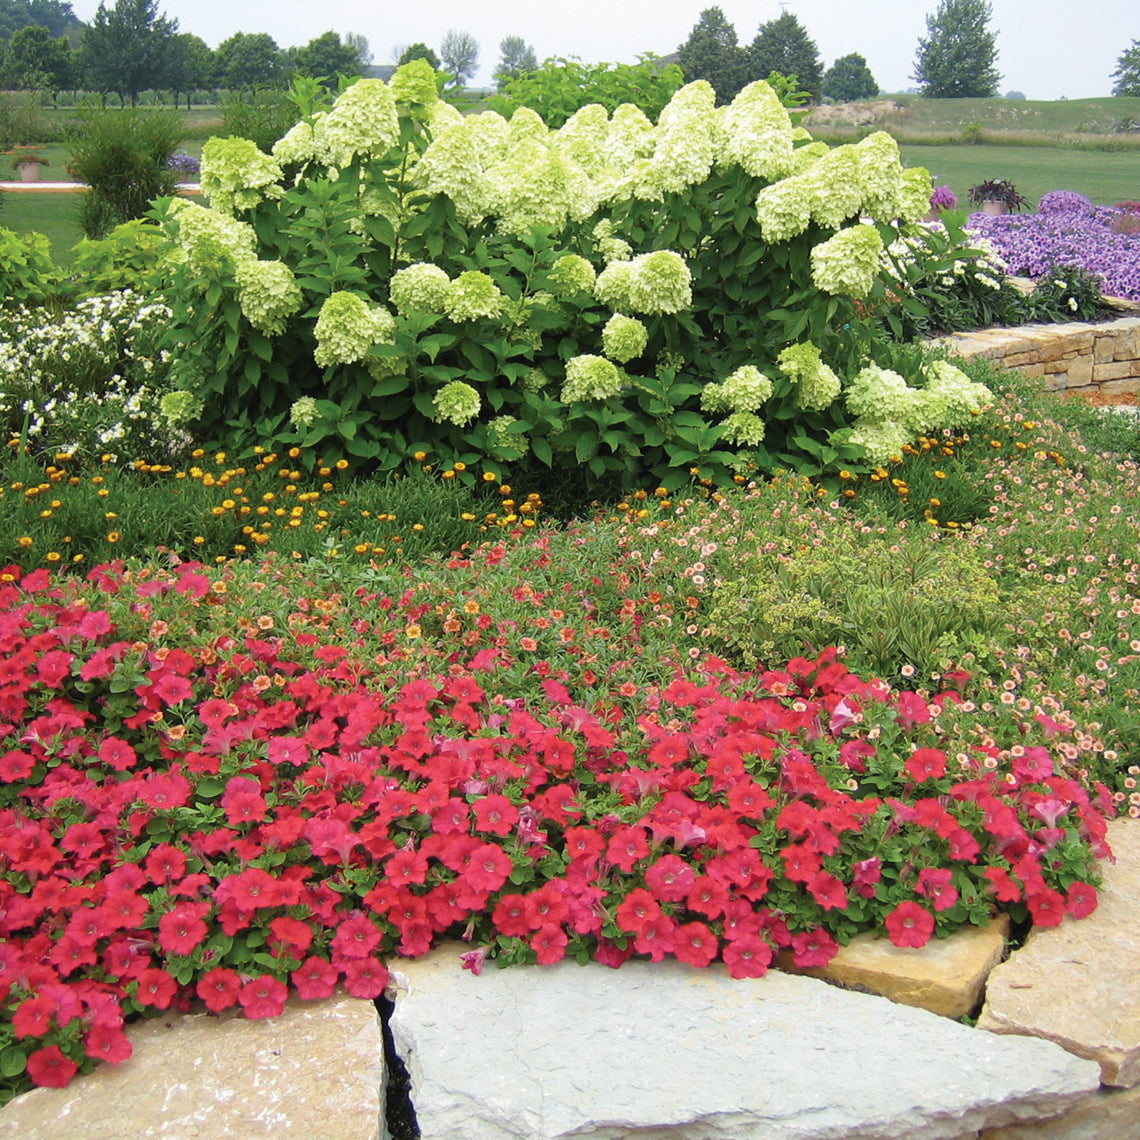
[{"x": 994, "y": 206}]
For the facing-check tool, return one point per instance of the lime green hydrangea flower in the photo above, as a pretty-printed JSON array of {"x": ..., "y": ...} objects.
[
  {"x": 846, "y": 264},
  {"x": 298, "y": 145},
  {"x": 348, "y": 326},
  {"x": 660, "y": 282},
  {"x": 624, "y": 338},
  {"x": 629, "y": 139},
  {"x": 419, "y": 288},
  {"x": 573, "y": 274},
  {"x": 268, "y": 294},
  {"x": 878, "y": 393},
  {"x": 590, "y": 378},
  {"x": 304, "y": 412},
  {"x": 914, "y": 197},
  {"x": 363, "y": 122},
  {"x": 583, "y": 137},
  {"x": 683, "y": 152},
  {"x": 180, "y": 407},
  {"x": 413, "y": 88},
  {"x": 745, "y": 390},
  {"x": 882, "y": 439},
  {"x": 881, "y": 176},
  {"x": 817, "y": 385},
  {"x": 537, "y": 186},
  {"x": 535, "y": 380},
  {"x": 211, "y": 242},
  {"x": 835, "y": 187},
  {"x": 452, "y": 165},
  {"x": 784, "y": 209},
  {"x": 236, "y": 175},
  {"x": 743, "y": 428},
  {"x": 957, "y": 398},
  {"x": 613, "y": 284},
  {"x": 755, "y": 132},
  {"x": 472, "y": 296},
  {"x": 457, "y": 403},
  {"x": 506, "y": 444},
  {"x": 610, "y": 246}
]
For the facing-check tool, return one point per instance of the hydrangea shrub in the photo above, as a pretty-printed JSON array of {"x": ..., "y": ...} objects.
[{"x": 494, "y": 292}]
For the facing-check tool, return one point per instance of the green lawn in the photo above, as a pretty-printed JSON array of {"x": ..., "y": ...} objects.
[
  {"x": 52, "y": 213},
  {"x": 1105, "y": 177}
]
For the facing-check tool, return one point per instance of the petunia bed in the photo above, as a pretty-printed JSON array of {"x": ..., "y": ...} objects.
[{"x": 280, "y": 808}]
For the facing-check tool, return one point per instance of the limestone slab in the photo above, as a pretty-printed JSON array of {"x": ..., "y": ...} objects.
[
  {"x": 316, "y": 1072},
  {"x": 946, "y": 976},
  {"x": 668, "y": 1052},
  {"x": 1110, "y": 1114},
  {"x": 1078, "y": 984}
]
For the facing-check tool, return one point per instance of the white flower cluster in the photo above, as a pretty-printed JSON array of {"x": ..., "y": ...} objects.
[
  {"x": 657, "y": 282},
  {"x": 268, "y": 294},
  {"x": 505, "y": 443},
  {"x": 304, "y": 412},
  {"x": 743, "y": 428},
  {"x": 348, "y": 326},
  {"x": 457, "y": 403},
  {"x": 419, "y": 288},
  {"x": 472, "y": 296},
  {"x": 846, "y": 264},
  {"x": 745, "y": 390},
  {"x": 590, "y": 378},
  {"x": 573, "y": 274},
  {"x": 817, "y": 386},
  {"x": 236, "y": 175},
  {"x": 624, "y": 338}
]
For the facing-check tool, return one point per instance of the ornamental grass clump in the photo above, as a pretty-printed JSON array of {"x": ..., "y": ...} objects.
[{"x": 631, "y": 266}]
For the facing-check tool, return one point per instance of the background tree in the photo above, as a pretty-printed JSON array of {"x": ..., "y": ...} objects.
[
  {"x": 359, "y": 44},
  {"x": 783, "y": 45},
  {"x": 125, "y": 49},
  {"x": 57, "y": 17},
  {"x": 516, "y": 57},
  {"x": 419, "y": 51},
  {"x": 712, "y": 53},
  {"x": 956, "y": 57},
  {"x": 249, "y": 60},
  {"x": 459, "y": 55},
  {"x": 1127, "y": 73},
  {"x": 189, "y": 67},
  {"x": 37, "y": 61},
  {"x": 326, "y": 56},
  {"x": 849, "y": 79}
]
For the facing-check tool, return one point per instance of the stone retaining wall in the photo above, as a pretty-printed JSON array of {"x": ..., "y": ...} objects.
[{"x": 1077, "y": 359}]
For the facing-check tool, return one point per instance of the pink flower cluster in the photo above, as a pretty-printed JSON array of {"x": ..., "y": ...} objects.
[{"x": 225, "y": 824}]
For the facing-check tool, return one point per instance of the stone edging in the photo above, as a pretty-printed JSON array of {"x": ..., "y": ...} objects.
[{"x": 1077, "y": 359}]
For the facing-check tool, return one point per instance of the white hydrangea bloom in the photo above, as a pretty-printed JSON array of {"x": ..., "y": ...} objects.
[
  {"x": 348, "y": 326},
  {"x": 526, "y": 123},
  {"x": 363, "y": 122},
  {"x": 846, "y": 264},
  {"x": 573, "y": 274},
  {"x": 624, "y": 338},
  {"x": 784, "y": 209},
  {"x": 304, "y": 412},
  {"x": 745, "y": 390},
  {"x": 583, "y": 137},
  {"x": 211, "y": 240},
  {"x": 536, "y": 185},
  {"x": 683, "y": 151},
  {"x": 882, "y": 439},
  {"x": 613, "y": 284},
  {"x": 630, "y": 137},
  {"x": 835, "y": 187},
  {"x": 590, "y": 378},
  {"x": 299, "y": 144},
  {"x": 957, "y": 398},
  {"x": 610, "y": 246},
  {"x": 419, "y": 288},
  {"x": 755, "y": 132},
  {"x": 457, "y": 403},
  {"x": 268, "y": 294},
  {"x": 472, "y": 296},
  {"x": 817, "y": 386},
  {"x": 881, "y": 175},
  {"x": 508, "y": 444},
  {"x": 413, "y": 88},
  {"x": 660, "y": 282},
  {"x": 236, "y": 175},
  {"x": 452, "y": 165},
  {"x": 743, "y": 428}
]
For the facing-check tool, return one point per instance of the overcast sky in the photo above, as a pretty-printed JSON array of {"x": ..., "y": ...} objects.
[{"x": 1046, "y": 49}]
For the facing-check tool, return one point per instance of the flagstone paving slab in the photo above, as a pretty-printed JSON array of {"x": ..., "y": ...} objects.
[
  {"x": 314, "y": 1073},
  {"x": 1078, "y": 984},
  {"x": 1111, "y": 1114},
  {"x": 666, "y": 1052},
  {"x": 945, "y": 976}
]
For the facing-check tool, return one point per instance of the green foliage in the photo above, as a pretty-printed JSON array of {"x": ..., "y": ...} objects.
[
  {"x": 783, "y": 45},
  {"x": 1127, "y": 73},
  {"x": 462, "y": 288},
  {"x": 516, "y": 58},
  {"x": 261, "y": 116},
  {"x": 326, "y": 57},
  {"x": 22, "y": 120},
  {"x": 27, "y": 274},
  {"x": 122, "y": 156},
  {"x": 712, "y": 53},
  {"x": 562, "y": 86},
  {"x": 849, "y": 79},
  {"x": 249, "y": 60},
  {"x": 55, "y": 15},
  {"x": 956, "y": 57},
  {"x": 129, "y": 257},
  {"x": 125, "y": 48},
  {"x": 35, "y": 60},
  {"x": 419, "y": 51},
  {"x": 891, "y": 607}
]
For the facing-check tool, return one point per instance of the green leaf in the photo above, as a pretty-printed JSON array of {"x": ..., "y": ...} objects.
[
  {"x": 542, "y": 451},
  {"x": 12, "y": 1061}
]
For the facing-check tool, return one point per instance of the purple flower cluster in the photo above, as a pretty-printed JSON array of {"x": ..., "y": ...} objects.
[
  {"x": 184, "y": 165},
  {"x": 1066, "y": 230},
  {"x": 943, "y": 198}
]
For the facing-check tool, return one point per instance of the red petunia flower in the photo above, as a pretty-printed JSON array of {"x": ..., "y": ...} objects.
[
  {"x": 219, "y": 989},
  {"x": 909, "y": 925},
  {"x": 50, "y": 1068},
  {"x": 263, "y": 997},
  {"x": 314, "y": 979}
]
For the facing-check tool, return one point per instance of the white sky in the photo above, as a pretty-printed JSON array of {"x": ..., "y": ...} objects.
[{"x": 1046, "y": 48}]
